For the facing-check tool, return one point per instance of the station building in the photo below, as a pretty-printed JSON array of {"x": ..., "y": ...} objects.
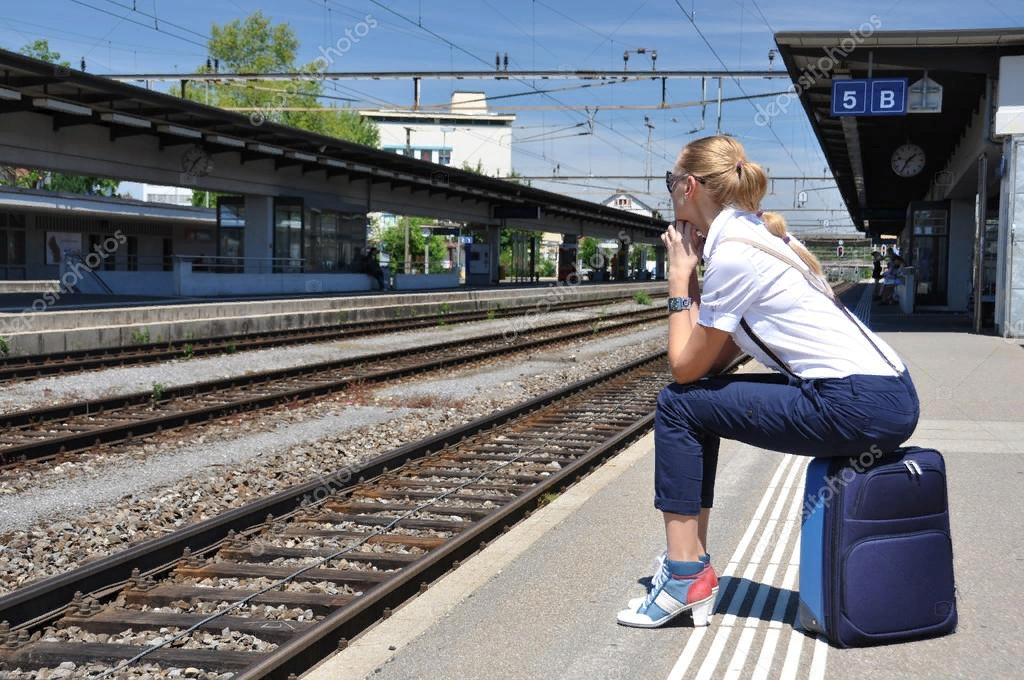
[
  {"x": 294, "y": 209},
  {"x": 942, "y": 175},
  {"x": 467, "y": 134}
]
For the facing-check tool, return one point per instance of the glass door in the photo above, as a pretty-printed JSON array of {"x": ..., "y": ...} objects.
[{"x": 929, "y": 254}]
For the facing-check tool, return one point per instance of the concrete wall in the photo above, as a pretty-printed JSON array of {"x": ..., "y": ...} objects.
[
  {"x": 426, "y": 281},
  {"x": 208, "y": 284},
  {"x": 1013, "y": 322},
  {"x": 57, "y": 331},
  {"x": 960, "y": 277}
]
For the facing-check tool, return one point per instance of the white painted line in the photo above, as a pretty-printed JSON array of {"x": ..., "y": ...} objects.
[
  {"x": 379, "y": 644},
  {"x": 729, "y": 619},
  {"x": 734, "y": 671},
  {"x": 757, "y": 611},
  {"x": 757, "y": 607},
  {"x": 782, "y": 603},
  {"x": 792, "y": 663},
  {"x": 707, "y": 669},
  {"x": 689, "y": 652},
  {"x": 818, "y": 660},
  {"x": 771, "y": 639},
  {"x": 764, "y": 661},
  {"x": 741, "y": 547}
]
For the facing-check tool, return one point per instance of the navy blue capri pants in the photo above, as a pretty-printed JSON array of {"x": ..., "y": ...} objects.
[{"x": 821, "y": 418}]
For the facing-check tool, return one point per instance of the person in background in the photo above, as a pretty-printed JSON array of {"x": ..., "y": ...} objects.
[
  {"x": 876, "y": 273},
  {"x": 373, "y": 269},
  {"x": 892, "y": 278}
]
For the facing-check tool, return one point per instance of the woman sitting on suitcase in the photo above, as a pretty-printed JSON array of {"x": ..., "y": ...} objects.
[{"x": 840, "y": 390}]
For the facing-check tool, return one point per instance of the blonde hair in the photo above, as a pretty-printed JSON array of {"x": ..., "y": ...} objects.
[{"x": 720, "y": 163}]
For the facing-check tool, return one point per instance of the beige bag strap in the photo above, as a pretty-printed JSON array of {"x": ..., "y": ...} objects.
[{"x": 816, "y": 283}]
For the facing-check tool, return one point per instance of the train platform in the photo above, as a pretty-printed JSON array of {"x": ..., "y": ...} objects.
[
  {"x": 540, "y": 602},
  {"x": 31, "y": 326}
]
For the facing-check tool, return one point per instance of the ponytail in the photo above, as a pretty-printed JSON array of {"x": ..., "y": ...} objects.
[
  {"x": 776, "y": 224},
  {"x": 732, "y": 179}
]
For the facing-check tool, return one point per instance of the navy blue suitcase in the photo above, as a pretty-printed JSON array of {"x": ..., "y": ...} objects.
[{"x": 876, "y": 557}]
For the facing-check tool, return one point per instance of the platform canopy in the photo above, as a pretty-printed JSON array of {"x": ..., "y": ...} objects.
[
  {"x": 58, "y": 118},
  {"x": 859, "y": 149}
]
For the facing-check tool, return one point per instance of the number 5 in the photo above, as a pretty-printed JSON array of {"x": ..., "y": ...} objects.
[{"x": 849, "y": 99}]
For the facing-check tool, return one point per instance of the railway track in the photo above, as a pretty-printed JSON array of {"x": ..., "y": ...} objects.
[
  {"x": 60, "y": 363},
  {"x": 271, "y": 588},
  {"x": 39, "y": 433}
]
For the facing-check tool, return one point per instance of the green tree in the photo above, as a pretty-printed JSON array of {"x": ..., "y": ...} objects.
[
  {"x": 392, "y": 242},
  {"x": 587, "y": 250},
  {"x": 255, "y": 44},
  {"x": 55, "y": 181},
  {"x": 40, "y": 49}
]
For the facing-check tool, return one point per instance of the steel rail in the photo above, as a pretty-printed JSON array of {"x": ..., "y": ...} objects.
[
  {"x": 75, "y": 441},
  {"x": 46, "y": 599},
  {"x": 60, "y": 363}
]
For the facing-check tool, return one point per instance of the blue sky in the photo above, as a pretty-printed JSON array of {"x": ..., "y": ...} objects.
[{"x": 548, "y": 34}]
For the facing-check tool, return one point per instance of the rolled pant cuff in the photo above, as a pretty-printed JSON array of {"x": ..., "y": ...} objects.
[{"x": 677, "y": 507}]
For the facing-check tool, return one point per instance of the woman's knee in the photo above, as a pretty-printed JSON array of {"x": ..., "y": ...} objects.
[{"x": 674, "y": 402}]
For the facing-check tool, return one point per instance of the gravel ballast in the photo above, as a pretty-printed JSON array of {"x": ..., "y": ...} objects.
[
  {"x": 54, "y": 390},
  {"x": 102, "y": 508}
]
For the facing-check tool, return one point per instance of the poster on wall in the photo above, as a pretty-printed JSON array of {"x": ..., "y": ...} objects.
[{"x": 59, "y": 242}]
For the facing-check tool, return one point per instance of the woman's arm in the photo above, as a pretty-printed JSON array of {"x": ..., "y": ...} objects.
[
  {"x": 694, "y": 350},
  {"x": 730, "y": 352}
]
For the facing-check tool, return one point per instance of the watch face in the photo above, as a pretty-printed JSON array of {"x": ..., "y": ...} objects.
[{"x": 908, "y": 160}]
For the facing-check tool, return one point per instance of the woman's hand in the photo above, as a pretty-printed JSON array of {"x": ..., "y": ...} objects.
[{"x": 684, "y": 248}]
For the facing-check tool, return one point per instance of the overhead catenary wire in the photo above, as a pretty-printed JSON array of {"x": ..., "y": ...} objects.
[{"x": 139, "y": 23}]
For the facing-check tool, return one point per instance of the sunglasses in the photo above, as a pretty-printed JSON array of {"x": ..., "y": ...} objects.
[{"x": 672, "y": 179}]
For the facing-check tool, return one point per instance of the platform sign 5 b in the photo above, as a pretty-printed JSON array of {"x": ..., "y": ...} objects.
[{"x": 870, "y": 97}]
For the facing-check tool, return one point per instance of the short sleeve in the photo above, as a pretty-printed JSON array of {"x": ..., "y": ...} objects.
[{"x": 731, "y": 285}]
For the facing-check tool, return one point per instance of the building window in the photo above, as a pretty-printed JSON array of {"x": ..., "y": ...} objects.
[
  {"x": 96, "y": 242},
  {"x": 623, "y": 202},
  {"x": 426, "y": 155},
  {"x": 288, "y": 232},
  {"x": 230, "y": 236},
  {"x": 132, "y": 248},
  {"x": 12, "y": 246},
  {"x": 168, "y": 250},
  {"x": 444, "y": 157}
]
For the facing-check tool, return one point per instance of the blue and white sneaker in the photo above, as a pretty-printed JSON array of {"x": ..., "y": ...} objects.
[
  {"x": 670, "y": 596},
  {"x": 658, "y": 564}
]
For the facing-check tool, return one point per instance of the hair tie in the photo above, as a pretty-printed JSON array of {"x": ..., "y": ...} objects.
[
  {"x": 739, "y": 166},
  {"x": 785, "y": 239},
  {"x": 760, "y": 214}
]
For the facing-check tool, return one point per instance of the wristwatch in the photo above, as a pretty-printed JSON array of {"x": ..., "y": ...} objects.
[{"x": 678, "y": 304}]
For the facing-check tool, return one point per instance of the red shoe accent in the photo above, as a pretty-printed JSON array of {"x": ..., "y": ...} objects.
[{"x": 702, "y": 585}]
